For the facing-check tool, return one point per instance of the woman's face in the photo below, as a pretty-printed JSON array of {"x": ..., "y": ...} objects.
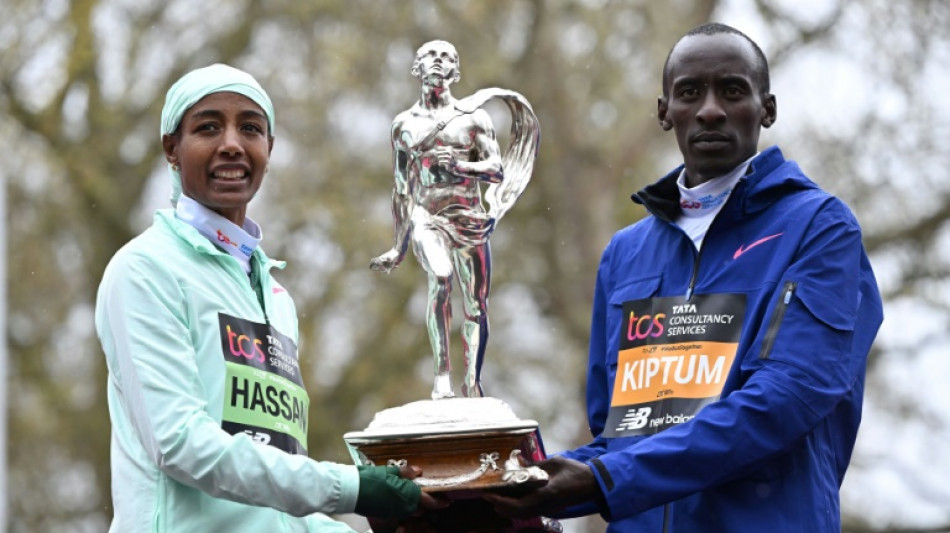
[{"x": 221, "y": 148}]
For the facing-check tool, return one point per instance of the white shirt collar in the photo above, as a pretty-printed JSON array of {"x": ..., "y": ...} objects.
[
  {"x": 709, "y": 196},
  {"x": 239, "y": 242}
]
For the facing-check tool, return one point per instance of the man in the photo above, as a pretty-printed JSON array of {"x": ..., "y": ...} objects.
[
  {"x": 730, "y": 328},
  {"x": 440, "y": 156}
]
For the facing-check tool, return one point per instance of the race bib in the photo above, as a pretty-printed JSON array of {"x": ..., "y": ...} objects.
[
  {"x": 674, "y": 359},
  {"x": 264, "y": 395}
]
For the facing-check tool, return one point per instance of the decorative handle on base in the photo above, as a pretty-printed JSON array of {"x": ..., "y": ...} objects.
[
  {"x": 487, "y": 460},
  {"x": 515, "y": 473}
]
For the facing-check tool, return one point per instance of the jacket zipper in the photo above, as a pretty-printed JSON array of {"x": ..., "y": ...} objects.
[
  {"x": 693, "y": 276},
  {"x": 777, "y": 315},
  {"x": 699, "y": 254},
  {"x": 257, "y": 285},
  {"x": 666, "y": 518}
]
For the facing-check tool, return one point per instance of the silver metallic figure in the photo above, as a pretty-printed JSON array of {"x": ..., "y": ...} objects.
[{"x": 443, "y": 149}]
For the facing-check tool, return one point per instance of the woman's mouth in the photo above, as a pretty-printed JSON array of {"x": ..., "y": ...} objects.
[{"x": 229, "y": 174}]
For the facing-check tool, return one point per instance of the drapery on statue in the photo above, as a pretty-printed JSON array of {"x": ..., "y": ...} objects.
[{"x": 443, "y": 149}]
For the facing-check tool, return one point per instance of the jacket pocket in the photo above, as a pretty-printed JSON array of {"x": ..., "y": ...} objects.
[
  {"x": 778, "y": 314},
  {"x": 822, "y": 306},
  {"x": 637, "y": 289}
]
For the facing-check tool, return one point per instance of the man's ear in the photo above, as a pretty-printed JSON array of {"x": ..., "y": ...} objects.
[
  {"x": 771, "y": 111},
  {"x": 170, "y": 147},
  {"x": 662, "y": 106}
]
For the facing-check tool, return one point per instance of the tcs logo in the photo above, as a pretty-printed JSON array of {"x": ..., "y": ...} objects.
[
  {"x": 641, "y": 327},
  {"x": 224, "y": 239},
  {"x": 245, "y": 346}
]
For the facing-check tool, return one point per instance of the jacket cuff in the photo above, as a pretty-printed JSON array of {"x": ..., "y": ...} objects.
[
  {"x": 349, "y": 489},
  {"x": 605, "y": 483}
]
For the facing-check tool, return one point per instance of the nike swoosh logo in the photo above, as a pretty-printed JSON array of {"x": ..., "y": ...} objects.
[{"x": 744, "y": 249}]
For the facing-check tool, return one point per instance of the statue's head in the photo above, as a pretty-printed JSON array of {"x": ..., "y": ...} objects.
[{"x": 437, "y": 58}]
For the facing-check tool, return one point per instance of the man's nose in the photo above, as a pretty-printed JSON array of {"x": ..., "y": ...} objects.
[{"x": 711, "y": 110}]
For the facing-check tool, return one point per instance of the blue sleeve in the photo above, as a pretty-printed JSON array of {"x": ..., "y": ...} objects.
[{"x": 814, "y": 362}]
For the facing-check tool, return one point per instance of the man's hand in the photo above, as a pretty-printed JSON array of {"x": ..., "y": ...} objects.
[
  {"x": 570, "y": 483},
  {"x": 386, "y": 262}
]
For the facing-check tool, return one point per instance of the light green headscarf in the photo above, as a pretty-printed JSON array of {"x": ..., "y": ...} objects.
[{"x": 200, "y": 83}]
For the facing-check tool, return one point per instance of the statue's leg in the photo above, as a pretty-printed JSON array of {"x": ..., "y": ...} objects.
[
  {"x": 438, "y": 322},
  {"x": 473, "y": 265},
  {"x": 431, "y": 248}
]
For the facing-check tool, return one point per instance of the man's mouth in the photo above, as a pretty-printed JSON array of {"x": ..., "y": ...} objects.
[{"x": 711, "y": 139}]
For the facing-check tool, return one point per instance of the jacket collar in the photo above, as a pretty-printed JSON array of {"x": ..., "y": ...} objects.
[
  {"x": 769, "y": 178},
  {"x": 191, "y": 236}
]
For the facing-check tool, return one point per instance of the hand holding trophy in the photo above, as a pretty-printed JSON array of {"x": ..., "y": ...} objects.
[{"x": 444, "y": 152}]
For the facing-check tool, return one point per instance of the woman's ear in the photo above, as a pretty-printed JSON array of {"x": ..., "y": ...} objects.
[{"x": 170, "y": 147}]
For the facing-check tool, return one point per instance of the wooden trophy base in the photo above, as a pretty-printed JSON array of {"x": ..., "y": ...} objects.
[{"x": 464, "y": 447}]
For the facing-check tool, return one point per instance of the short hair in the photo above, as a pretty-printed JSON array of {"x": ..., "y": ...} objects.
[
  {"x": 415, "y": 62},
  {"x": 715, "y": 28}
]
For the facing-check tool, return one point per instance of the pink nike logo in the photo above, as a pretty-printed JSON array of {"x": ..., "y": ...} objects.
[{"x": 745, "y": 249}]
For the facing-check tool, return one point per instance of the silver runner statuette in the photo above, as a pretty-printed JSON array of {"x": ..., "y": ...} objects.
[{"x": 444, "y": 151}]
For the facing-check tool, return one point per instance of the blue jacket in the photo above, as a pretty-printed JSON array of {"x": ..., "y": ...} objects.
[{"x": 769, "y": 450}]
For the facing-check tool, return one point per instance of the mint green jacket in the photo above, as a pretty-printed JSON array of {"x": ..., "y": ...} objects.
[{"x": 179, "y": 374}]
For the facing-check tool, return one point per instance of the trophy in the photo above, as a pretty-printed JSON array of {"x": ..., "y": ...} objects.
[{"x": 444, "y": 152}]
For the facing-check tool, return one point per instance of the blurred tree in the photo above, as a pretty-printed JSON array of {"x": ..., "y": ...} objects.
[{"x": 83, "y": 83}]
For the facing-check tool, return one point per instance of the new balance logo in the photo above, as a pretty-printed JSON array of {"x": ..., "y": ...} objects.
[{"x": 635, "y": 418}]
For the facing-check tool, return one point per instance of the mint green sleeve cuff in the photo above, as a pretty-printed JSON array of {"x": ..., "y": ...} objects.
[
  {"x": 321, "y": 523},
  {"x": 349, "y": 488}
]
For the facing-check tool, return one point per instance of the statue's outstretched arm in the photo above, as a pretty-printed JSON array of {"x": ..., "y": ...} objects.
[{"x": 401, "y": 208}]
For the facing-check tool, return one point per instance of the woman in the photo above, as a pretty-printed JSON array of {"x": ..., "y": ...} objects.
[{"x": 207, "y": 404}]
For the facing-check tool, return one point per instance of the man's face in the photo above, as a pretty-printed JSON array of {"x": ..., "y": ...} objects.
[
  {"x": 222, "y": 148},
  {"x": 437, "y": 63},
  {"x": 714, "y": 104}
]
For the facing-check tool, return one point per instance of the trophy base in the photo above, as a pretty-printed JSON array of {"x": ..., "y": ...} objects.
[{"x": 464, "y": 446}]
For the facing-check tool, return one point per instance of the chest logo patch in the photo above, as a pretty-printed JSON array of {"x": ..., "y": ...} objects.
[{"x": 743, "y": 249}]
